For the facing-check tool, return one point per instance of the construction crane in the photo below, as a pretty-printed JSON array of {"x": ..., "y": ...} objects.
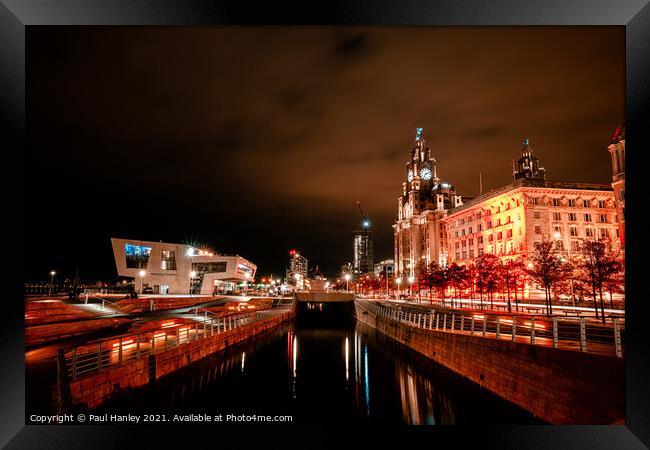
[{"x": 364, "y": 220}]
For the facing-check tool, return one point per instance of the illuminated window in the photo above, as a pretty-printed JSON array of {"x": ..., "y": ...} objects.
[
  {"x": 137, "y": 256},
  {"x": 168, "y": 260}
]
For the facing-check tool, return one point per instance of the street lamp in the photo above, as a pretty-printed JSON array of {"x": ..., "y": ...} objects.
[
  {"x": 411, "y": 280},
  {"x": 347, "y": 282},
  {"x": 192, "y": 276},
  {"x": 52, "y": 273},
  {"x": 142, "y": 273},
  {"x": 398, "y": 281}
]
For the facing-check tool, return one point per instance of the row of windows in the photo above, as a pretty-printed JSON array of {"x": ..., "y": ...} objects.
[
  {"x": 573, "y": 217},
  {"x": 572, "y": 202}
]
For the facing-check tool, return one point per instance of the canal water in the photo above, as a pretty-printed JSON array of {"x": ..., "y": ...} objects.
[{"x": 324, "y": 367}]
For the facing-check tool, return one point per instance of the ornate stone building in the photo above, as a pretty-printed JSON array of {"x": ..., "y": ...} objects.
[
  {"x": 436, "y": 225},
  {"x": 424, "y": 203},
  {"x": 617, "y": 152},
  {"x": 511, "y": 220}
]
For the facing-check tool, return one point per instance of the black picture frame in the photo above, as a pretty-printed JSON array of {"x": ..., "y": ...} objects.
[{"x": 17, "y": 15}]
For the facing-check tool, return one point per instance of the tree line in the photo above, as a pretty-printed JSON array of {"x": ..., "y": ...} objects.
[{"x": 596, "y": 267}]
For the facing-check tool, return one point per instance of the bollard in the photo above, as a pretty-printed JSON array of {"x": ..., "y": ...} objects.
[
  {"x": 444, "y": 322},
  {"x": 453, "y": 317},
  {"x": 514, "y": 328},
  {"x": 532, "y": 331},
  {"x": 484, "y": 325},
  {"x": 555, "y": 332},
  {"x": 462, "y": 323},
  {"x": 583, "y": 336},
  {"x": 437, "y": 320},
  {"x": 419, "y": 320},
  {"x": 617, "y": 338},
  {"x": 498, "y": 327},
  {"x": 471, "y": 327}
]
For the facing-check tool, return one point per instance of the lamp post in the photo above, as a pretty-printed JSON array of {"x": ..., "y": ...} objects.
[
  {"x": 192, "y": 276},
  {"x": 398, "y": 281},
  {"x": 347, "y": 282},
  {"x": 142, "y": 273},
  {"x": 52, "y": 273},
  {"x": 411, "y": 280},
  {"x": 558, "y": 236}
]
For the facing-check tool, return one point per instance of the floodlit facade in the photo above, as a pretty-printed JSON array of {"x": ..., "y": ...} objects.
[
  {"x": 617, "y": 152},
  {"x": 179, "y": 268},
  {"x": 419, "y": 237},
  {"x": 509, "y": 221},
  {"x": 437, "y": 225}
]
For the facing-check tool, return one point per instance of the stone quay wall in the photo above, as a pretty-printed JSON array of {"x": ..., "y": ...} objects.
[{"x": 557, "y": 385}]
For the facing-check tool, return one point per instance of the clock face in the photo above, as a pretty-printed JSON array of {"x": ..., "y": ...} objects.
[
  {"x": 425, "y": 173},
  {"x": 409, "y": 177}
]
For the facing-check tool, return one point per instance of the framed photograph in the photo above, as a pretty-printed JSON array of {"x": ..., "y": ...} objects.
[{"x": 234, "y": 222}]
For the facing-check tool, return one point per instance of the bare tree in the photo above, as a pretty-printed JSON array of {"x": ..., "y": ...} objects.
[
  {"x": 488, "y": 276},
  {"x": 601, "y": 264},
  {"x": 547, "y": 269}
]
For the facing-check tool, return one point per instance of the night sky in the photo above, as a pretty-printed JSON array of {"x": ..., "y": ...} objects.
[{"x": 255, "y": 141}]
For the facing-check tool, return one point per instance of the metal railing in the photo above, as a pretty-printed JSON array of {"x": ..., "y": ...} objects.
[
  {"x": 114, "y": 352},
  {"x": 556, "y": 332}
]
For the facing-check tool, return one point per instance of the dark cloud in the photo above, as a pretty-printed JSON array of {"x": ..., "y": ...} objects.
[{"x": 258, "y": 140}]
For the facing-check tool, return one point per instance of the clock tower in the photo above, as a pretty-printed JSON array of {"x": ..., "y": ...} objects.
[
  {"x": 421, "y": 175},
  {"x": 425, "y": 200}
]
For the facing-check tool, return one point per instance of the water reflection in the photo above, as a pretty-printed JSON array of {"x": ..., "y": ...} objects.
[{"x": 334, "y": 373}]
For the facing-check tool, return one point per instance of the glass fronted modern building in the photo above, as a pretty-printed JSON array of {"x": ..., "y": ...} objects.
[{"x": 165, "y": 268}]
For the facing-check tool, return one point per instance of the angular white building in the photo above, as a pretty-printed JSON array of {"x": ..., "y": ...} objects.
[{"x": 179, "y": 268}]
